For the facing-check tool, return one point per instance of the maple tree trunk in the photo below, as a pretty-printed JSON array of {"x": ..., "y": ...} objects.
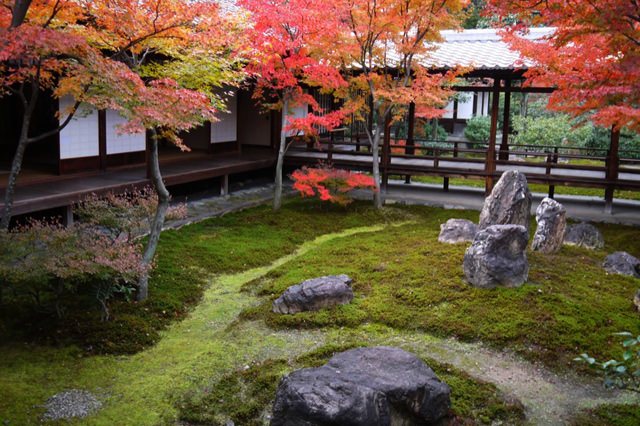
[
  {"x": 158, "y": 219},
  {"x": 16, "y": 164},
  {"x": 19, "y": 12},
  {"x": 277, "y": 196},
  {"x": 375, "y": 144}
]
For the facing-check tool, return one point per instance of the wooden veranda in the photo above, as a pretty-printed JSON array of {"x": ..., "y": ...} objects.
[{"x": 494, "y": 70}]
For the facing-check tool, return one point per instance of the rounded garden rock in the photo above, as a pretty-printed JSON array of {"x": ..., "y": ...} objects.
[
  {"x": 584, "y": 235},
  {"x": 457, "y": 231},
  {"x": 622, "y": 263},
  {"x": 509, "y": 202},
  {"x": 552, "y": 222},
  {"x": 70, "y": 404},
  {"x": 315, "y": 294},
  {"x": 380, "y": 386},
  {"x": 497, "y": 257}
]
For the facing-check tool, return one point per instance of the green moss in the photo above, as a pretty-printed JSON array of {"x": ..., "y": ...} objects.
[
  {"x": 246, "y": 396},
  {"x": 609, "y": 415},
  {"x": 405, "y": 279},
  {"x": 186, "y": 261}
]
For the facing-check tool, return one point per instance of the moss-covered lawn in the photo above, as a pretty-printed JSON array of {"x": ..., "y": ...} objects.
[{"x": 209, "y": 335}]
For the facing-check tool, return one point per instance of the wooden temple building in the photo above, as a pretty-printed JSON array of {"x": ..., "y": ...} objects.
[{"x": 90, "y": 156}]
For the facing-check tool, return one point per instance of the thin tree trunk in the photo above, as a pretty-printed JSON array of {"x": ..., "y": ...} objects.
[
  {"x": 158, "y": 219},
  {"x": 277, "y": 197},
  {"x": 16, "y": 164},
  {"x": 375, "y": 144}
]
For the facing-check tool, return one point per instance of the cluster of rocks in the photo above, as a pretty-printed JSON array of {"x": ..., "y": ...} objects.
[
  {"x": 497, "y": 254},
  {"x": 361, "y": 387}
]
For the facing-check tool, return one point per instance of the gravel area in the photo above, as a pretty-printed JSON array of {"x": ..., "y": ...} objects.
[{"x": 70, "y": 404}]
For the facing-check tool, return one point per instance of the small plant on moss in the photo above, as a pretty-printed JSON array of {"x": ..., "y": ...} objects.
[{"x": 623, "y": 373}]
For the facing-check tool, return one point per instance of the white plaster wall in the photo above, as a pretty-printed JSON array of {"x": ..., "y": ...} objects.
[
  {"x": 120, "y": 143},
  {"x": 80, "y": 137},
  {"x": 465, "y": 106},
  {"x": 297, "y": 112},
  {"x": 226, "y": 128},
  {"x": 448, "y": 110}
]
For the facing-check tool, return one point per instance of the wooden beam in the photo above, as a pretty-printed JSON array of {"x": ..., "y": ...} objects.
[
  {"x": 490, "y": 163},
  {"x": 511, "y": 89},
  {"x": 613, "y": 161},
  {"x": 504, "y": 144}
]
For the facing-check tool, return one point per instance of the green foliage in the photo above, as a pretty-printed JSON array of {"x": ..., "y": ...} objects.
[
  {"x": 477, "y": 129},
  {"x": 623, "y": 373},
  {"x": 246, "y": 395},
  {"x": 441, "y": 133}
]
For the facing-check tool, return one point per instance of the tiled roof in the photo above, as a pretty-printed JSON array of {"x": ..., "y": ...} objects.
[{"x": 480, "y": 49}]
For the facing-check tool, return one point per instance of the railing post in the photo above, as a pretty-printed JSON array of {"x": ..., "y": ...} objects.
[
  {"x": 455, "y": 149},
  {"x": 330, "y": 147},
  {"x": 409, "y": 148},
  {"x": 612, "y": 166}
]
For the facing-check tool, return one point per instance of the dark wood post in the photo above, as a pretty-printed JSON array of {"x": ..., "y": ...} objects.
[
  {"x": 386, "y": 151},
  {"x": 613, "y": 161},
  {"x": 409, "y": 147},
  {"x": 504, "y": 145},
  {"x": 102, "y": 138},
  {"x": 490, "y": 163}
]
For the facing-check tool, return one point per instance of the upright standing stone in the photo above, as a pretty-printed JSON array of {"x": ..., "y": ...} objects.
[
  {"x": 509, "y": 203},
  {"x": 381, "y": 386},
  {"x": 552, "y": 221},
  {"x": 497, "y": 257}
]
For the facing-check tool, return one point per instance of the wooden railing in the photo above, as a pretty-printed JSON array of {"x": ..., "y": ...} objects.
[{"x": 547, "y": 164}]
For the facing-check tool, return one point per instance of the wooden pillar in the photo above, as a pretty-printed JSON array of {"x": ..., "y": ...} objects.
[
  {"x": 224, "y": 186},
  {"x": 102, "y": 139},
  {"x": 490, "y": 163},
  {"x": 147, "y": 153},
  {"x": 386, "y": 151},
  {"x": 410, "y": 149},
  {"x": 613, "y": 161},
  {"x": 504, "y": 145}
]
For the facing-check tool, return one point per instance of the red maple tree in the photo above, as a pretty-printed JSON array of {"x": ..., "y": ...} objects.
[{"x": 592, "y": 57}]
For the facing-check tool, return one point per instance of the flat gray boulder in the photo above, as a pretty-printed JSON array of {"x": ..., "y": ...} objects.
[
  {"x": 74, "y": 403},
  {"x": 551, "y": 217},
  {"x": 457, "y": 231},
  {"x": 380, "y": 386},
  {"x": 584, "y": 235},
  {"x": 509, "y": 203},
  {"x": 315, "y": 294},
  {"x": 497, "y": 257},
  {"x": 622, "y": 263}
]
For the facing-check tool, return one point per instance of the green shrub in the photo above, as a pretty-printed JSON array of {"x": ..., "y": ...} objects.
[
  {"x": 477, "y": 129},
  {"x": 441, "y": 133}
]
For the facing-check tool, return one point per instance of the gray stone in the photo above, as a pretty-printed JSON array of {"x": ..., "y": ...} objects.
[
  {"x": 497, "y": 257},
  {"x": 622, "y": 263},
  {"x": 636, "y": 300},
  {"x": 584, "y": 235},
  {"x": 315, "y": 294},
  {"x": 380, "y": 386},
  {"x": 70, "y": 404},
  {"x": 509, "y": 203},
  {"x": 552, "y": 222},
  {"x": 457, "y": 231}
]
